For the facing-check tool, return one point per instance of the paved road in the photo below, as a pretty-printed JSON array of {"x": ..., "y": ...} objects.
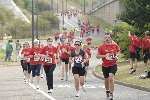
[{"x": 12, "y": 87}]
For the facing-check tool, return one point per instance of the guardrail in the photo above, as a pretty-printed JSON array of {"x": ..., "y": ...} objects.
[{"x": 100, "y": 6}]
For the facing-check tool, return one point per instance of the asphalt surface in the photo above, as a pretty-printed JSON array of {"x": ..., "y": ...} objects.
[{"x": 12, "y": 87}]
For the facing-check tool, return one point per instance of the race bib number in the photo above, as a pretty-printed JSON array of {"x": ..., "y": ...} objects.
[
  {"x": 36, "y": 58},
  {"x": 78, "y": 59},
  {"x": 48, "y": 60},
  {"x": 42, "y": 58},
  {"x": 111, "y": 56}
]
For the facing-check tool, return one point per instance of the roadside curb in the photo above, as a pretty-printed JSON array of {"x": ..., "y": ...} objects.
[{"x": 122, "y": 83}]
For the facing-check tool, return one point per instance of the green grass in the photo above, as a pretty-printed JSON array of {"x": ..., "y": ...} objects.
[
  {"x": 2, "y": 53},
  {"x": 124, "y": 76}
]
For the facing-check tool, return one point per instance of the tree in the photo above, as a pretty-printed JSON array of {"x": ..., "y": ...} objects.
[{"x": 136, "y": 13}]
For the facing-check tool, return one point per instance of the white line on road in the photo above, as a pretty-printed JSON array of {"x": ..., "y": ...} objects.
[
  {"x": 42, "y": 92},
  {"x": 88, "y": 86}
]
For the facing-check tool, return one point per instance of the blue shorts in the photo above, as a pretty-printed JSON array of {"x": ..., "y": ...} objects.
[{"x": 36, "y": 70}]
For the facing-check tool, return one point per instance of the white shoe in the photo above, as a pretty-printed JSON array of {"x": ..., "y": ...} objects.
[
  {"x": 50, "y": 91},
  {"x": 37, "y": 87},
  {"x": 42, "y": 75},
  {"x": 77, "y": 94}
]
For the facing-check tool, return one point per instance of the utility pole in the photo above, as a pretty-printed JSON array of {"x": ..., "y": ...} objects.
[
  {"x": 84, "y": 6},
  {"x": 37, "y": 12},
  {"x": 57, "y": 6},
  {"x": 66, "y": 4},
  {"x": 52, "y": 5},
  {"x": 32, "y": 23},
  {"x": 92, "y": 4},
  {"x": 63, "y": 12}
]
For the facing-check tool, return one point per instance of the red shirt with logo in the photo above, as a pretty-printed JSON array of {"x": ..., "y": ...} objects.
[
  {"x": 49, "y": 53},
  {"x": 111, "y": 50},
  {"x": 35, "y": 55}
]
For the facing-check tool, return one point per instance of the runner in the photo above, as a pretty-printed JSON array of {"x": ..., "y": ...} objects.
[
  {"x": 64, "y": 56},
  {"x": 78, "y": 59},
  {"x": 35, "y": 62},
  {"x": 108, "y": 52},
  {"x": 146, "y": 53},
  {"x": 70, "y": 48},
  {"x": 133, "y": 49},
  {"x": 24, "y": 59},
  {"x": 18, "y": 47},
  {"x": 42, "y": 69},
  {"x": 56, "y": 36},
  {"x": 50, "y": 53},
  {"x": 86, "y": 64},
  {"x": 87, "y": 49}
]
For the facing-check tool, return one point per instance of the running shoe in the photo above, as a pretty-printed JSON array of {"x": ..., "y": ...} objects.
[
  {"x": 107, "y": 93},
  {"x": 77, "y": 94},
  {"x": 132, "y": 71},
  {"x": 37, "y": 87},
  {"x": 42, "y": 75},
  {"x": 50, "y": 91},
  {"x": 110, "y": 96}
]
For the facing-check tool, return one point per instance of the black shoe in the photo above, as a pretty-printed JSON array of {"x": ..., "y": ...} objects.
[
  {"x": 107, "y": 94},
  {"x": 132, "y": 71}
]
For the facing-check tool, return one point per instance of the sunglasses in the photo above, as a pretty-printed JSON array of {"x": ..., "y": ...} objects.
[
  {"x": 49, "y": 41},
  {"x": 77, "y": 44}
]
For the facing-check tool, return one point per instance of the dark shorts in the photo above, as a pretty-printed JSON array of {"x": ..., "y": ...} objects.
[
  {"x": 110, "y": 69},
  {"x": 146, "y": 53},
  {"x": 56, "y": 38},
  {"x": 36, "y": 70},
  {"x": 66, "y": 61},
  {"x": 79, "y": 70},
  {"x": 133, "y": 56},
  {"x": 25, "y": 66}
]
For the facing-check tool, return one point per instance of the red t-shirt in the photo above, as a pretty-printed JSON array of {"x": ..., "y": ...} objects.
[
  {"x": 111, "y": 50},
  {"x": 35, "y": 56},
  {"x": 70, "y": 48},
  {"x": 64, "y": 51},
  {"x": 146, "y": 42},
  {"x": 50, "y": 55},
  {"x": 26, "y": 52},
  {"x": 135, "y": 41}
]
